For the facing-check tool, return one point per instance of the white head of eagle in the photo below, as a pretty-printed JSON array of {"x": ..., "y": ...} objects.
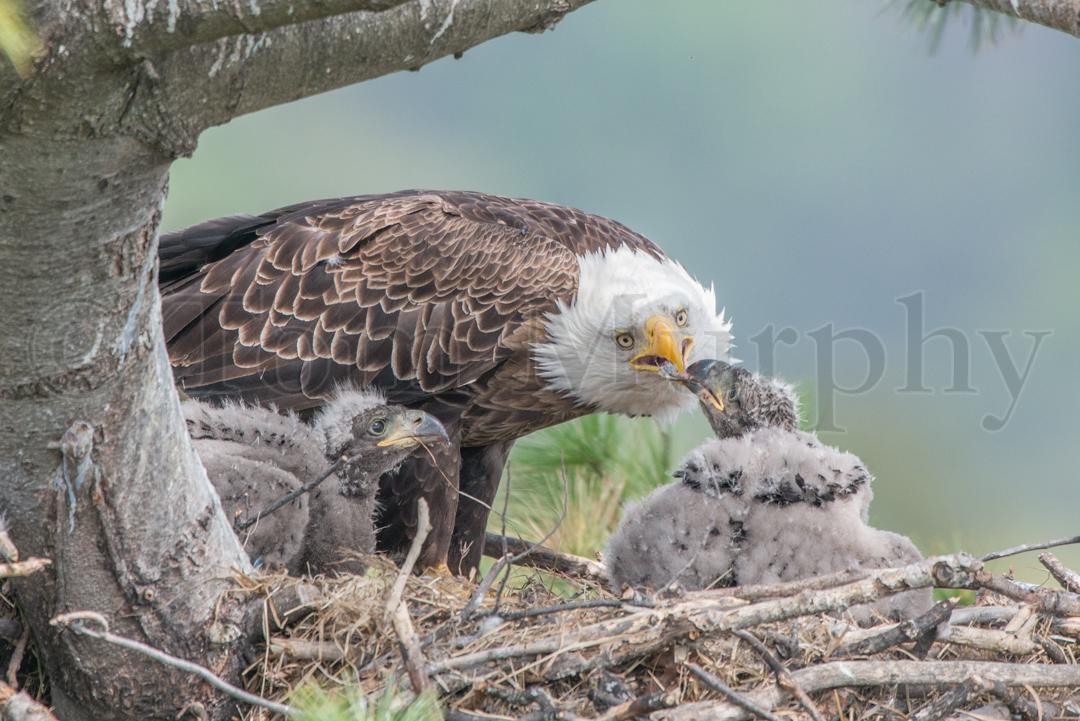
[{"x": 631, "y": 312}]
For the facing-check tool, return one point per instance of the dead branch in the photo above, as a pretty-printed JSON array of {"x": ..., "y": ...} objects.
[
  {"x": 1069, "y": 579},
  {"x": 642, "y": 632},
  {"x": 545, "y": 559},
  {"x": 1017, "y": 704},
  {"x": 77, "y": 622},
  {"x": 18, "y": 706},
  {"x": 788, "y": 588},
  {"x": 900, "y": 633},
  {"x": 397, "y": 609},
  {"x": 783, "y": 676},
  {"x": 638, "y": 707},
  {"x": 1044, "y": 599},
  {"x": 839, "y": 674},
  {"x": 954, "y": 699},
  {"x": 23, "y": 568},
  {"x": 717, "y": 685},
  {"x": 17, "y": 658},
  {"x": 1029, "y": 547},
  {"x": 1063, "y": 15}
]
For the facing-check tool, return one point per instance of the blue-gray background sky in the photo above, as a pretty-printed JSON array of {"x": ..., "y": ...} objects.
[{"x": 815, "y": 163}]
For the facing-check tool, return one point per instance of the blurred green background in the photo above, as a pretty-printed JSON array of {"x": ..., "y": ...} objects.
[{"x": 810, "y": 159}]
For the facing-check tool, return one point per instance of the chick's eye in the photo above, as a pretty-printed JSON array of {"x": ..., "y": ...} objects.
[
  {"x": 378, "y": 426},
  {"x": 625, "y": 340},
  {"x": 681, "y": 318},
  {"x": 733, "y": 394}
]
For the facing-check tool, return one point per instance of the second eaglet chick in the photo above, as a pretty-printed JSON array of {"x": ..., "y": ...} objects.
[
  {"x": 764, "y": 503},
  {"x": 253, "y": 456}
]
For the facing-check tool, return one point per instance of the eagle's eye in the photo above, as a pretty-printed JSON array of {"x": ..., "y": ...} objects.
[
  {"x": 733, "y": 394},
  {"x": 378, "y": 426},
  {"x": 681, "y": 318},
  {"x": 625, "y": 341}
]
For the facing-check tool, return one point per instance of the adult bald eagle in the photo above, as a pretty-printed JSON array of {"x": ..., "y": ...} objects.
[{"x": 498, "y": 316}]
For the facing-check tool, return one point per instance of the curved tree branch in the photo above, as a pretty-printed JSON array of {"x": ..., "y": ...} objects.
[
  {"x": 1063, "y": 15},
  {"x": 210, "y": 84},
  {"x": 184, "y": 23}
]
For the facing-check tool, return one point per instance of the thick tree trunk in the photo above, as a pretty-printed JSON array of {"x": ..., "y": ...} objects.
[{"x": 81, "y": 341}]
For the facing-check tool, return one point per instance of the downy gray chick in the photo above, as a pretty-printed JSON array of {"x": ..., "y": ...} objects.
[
  {"x": 765, "y": 503},
  {"x": 253, "y": 456}
]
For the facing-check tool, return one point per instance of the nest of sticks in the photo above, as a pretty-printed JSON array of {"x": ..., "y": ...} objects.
[{"x": 779, "y": 651}]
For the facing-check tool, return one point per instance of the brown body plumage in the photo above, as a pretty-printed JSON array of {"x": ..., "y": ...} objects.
[{"x": 438, "y": 299}]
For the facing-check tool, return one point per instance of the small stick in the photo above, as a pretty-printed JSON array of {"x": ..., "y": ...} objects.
[
  {"x": 1068, "y": 578},
  {"x": 397, "y": 610},
  {"x": 638, "y": 707},
  {"x": 908, "y": 631},
  {"x": 505, "y": 550},
  {"x": 1044, "y": 599},
  {"x": 544, "y": 558},
  {"x": 76, "y": 622},
  {"x": 1016, "y": 703},
  {"x": 783, "y": 676},
  {"x": 17, "y": 657},
  {"x": 717, "y": 685},
  {"x": 493, "y": 573},
  {"x": 572, "y": 606},
  {"x": 334, "y": 468},
  {"x": 1029, "y": 547},
  {"x": 787, "y": 588},
  {"x": 423, "y": 527},
  {"x": 949, "y": 702},
  {"x": 23, "y": 568}
]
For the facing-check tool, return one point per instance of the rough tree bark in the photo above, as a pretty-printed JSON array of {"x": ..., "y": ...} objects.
[
  {"x": 85, "y": 147},
  {"x": 124, "y": 88}
]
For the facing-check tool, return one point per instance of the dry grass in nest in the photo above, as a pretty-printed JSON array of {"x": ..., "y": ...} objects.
[{"x": 586, "y": 661}]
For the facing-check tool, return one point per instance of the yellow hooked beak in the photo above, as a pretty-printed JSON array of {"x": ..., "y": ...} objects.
[{"x": 665, "y": 344}]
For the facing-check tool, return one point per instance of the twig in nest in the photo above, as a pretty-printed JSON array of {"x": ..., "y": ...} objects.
[
  {"x": 334, "y": 468},
  {"x": 949, "y": 702},
  {"x": 559, "y": 608},
  {"x": 783, "y": 676},
  {"x": 1044, "y": 599},
  {"x": 1017, "y": 704},
  {"x": 17, "y": 657},
  {"x": 717, "y": 685},
  {"x": 1029, "y": 547},
  {"x": 544, "y": 558},
  {"x": 505, "y": 550},
  {"x": 1068, "y": 578},
  {"x": 493, "y": 573},
  {"x": 638, "y": 707},
  {"x": 77, "y": 622},
  {"x": 398, "y": 610},
  {"x": 907, "y": 631},
  {"x": 18, "y": 706},
  {"x": 23, "y": 568},
  {"x": 787, "y": 588}
]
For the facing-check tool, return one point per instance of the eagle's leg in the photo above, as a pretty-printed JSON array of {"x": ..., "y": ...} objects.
[
  {"x": 481, "y": 470},
  {"x": 433, "y": 476}
]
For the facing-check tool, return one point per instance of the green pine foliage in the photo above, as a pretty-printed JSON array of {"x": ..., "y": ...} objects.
[
  {"x": 987, "y": 26},
  {"x": 608, "y": 461},
  {"x": 349, "y": 703}
]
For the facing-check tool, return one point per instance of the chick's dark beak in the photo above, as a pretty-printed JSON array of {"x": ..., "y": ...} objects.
[
  {"x": 413, "y": 428},
  {"x": 704, "y": 379}
]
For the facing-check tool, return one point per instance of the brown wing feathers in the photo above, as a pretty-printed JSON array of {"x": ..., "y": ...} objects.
[{"x": 423, "y": 284}]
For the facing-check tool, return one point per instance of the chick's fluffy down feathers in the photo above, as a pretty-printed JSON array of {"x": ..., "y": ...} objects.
[
  {"x": 769, "y": 506},
  {"x": 252, "y": 457}
]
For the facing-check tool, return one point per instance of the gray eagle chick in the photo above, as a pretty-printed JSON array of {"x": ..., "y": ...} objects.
[
  {"x": 764, "y": 503},
  {"x": 253, "y": 456}
]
